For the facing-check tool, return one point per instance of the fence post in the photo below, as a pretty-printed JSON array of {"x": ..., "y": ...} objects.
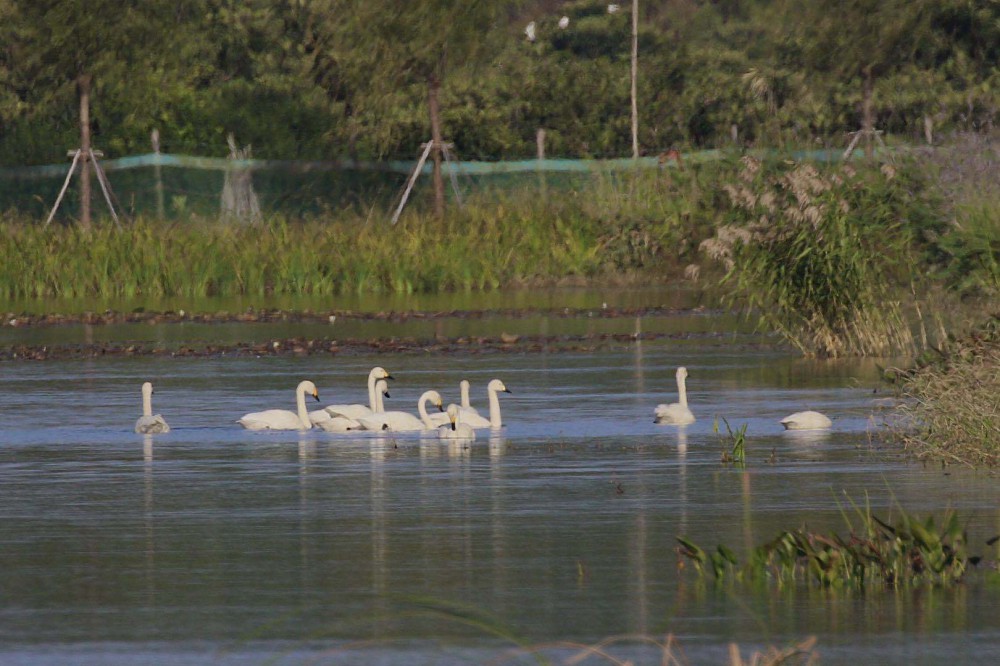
[{"x": 159, "y": 180}]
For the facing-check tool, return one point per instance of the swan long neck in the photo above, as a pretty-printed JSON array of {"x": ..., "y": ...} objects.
[
  {"x": 495, "y": 420},
  {"x": 379, "y": 405},
  {"x": 682, "y": 395},
  {"x": 300, "y": 404},
  {"x": 372, "y": 393},
  {"x": 147, "y": 402},
  {"x": 422, "y": 410},
  {"x": 464, "y": 386}
]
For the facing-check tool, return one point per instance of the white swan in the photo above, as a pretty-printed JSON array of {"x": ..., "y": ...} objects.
[
  {"x": 148, "y": 423},
  {"x": 495, "y": 386},
  {"x": 455, "y": 429},
  {"x": 404, "y": 421},
  {"x": 470, "y": 415},
  {"x": 356, "y": 410},
  {"x": 806, "y": 421},
  {"x": 322, "y": 419},
  {"x": 676, "y": 413},
  {"x": 283, "y": 419}
]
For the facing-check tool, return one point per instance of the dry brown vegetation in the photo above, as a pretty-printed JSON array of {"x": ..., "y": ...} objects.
[{"x": 951, "y": 401}]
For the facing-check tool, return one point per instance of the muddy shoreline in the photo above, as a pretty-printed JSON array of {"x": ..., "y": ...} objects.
[
  {"x": 298, "y": 346},
  {"x": 264, "y": 315},
  {"x": 332, "y": 344}
]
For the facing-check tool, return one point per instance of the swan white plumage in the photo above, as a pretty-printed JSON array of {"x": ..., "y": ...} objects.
[
  {"x": 149, "y": 423},
  {"x": 404, "y": 421},
  {"x": 322, "y": 419},
  {"x": 808, "y": 420},
  {"x": 495, "y": 386},
  {"x": 355, "y": 410},
  {"x": 283, "y": 419},
  {"x": 470, "y": 415},
  {"x": 455, "y": 429},
  {"x": 676, "y": 413}
]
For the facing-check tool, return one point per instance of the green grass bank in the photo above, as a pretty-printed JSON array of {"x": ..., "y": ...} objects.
[{"x": 831, "y": 256}]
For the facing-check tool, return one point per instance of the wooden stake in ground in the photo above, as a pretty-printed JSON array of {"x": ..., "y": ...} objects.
[{"x": 155, "y": 137}]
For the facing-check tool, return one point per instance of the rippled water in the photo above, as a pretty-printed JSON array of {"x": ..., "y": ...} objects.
[{"x": 216, "y": 545}]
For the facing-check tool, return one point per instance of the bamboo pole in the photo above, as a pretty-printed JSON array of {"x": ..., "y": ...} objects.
[
  {"x": 69, "y": 174},
  {"x": 413, "y": 179},
  {"x": 102, "y": 180}
]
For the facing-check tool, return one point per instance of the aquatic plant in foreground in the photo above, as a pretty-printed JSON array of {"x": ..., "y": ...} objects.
[{"x": 908, "y": 552}]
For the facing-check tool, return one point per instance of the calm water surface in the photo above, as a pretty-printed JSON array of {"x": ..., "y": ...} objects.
[{"x": 216, "y": 545}]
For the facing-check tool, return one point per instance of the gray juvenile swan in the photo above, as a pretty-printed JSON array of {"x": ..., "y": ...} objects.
[
  {"x": 808, "y": 420},
  {"x": 676, "y": 413},
  {"x": 455, "y": 429},
  {"x": 283, "y": 419},
  {"x": 148, "y": 423}
]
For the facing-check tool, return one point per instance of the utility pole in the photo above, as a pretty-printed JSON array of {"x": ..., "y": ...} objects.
[{"x": 635, "y": 78}]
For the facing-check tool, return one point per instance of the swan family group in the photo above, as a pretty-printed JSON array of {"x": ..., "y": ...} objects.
[{"x": 458, "y": 421}]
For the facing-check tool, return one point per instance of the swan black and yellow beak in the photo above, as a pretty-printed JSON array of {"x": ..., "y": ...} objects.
[
  {"x": 315, "y": 394},
  {"x": 388, "y": 376},
  {"x": 441, "y": 407}
]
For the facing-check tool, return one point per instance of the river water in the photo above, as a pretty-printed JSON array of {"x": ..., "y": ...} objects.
[{"x": 216, "y": 545}]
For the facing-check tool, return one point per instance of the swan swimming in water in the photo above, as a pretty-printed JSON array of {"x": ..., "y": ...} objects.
[
  {"x": 322, "y": 419},
  {"x": 355, "y": 410},
  {"x": 470, "y": 415},
  {"x": 283, "y": 419},
  {"x": 404, "y": 421},
  {"x": 808, "y": 420},
  {"x": 148, "y": 423},
  {"x": 455, "y": 429},
  {"x": 676, "y": 413}
]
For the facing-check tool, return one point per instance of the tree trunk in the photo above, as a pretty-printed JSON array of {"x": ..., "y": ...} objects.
[
  {"x": 868, "y": 113},
  {"x": 434, "y": 87},
  {"x": 83, "y": 82}
]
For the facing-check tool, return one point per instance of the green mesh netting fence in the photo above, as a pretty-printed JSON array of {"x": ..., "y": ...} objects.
[{"x": 176, "y": 186}]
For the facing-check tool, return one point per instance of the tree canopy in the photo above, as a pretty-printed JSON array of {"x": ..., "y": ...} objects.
[{"x": 328, "y": 78}]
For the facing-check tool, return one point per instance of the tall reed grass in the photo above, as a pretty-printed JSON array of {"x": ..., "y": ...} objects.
[{"x": 821, "y": 255}]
